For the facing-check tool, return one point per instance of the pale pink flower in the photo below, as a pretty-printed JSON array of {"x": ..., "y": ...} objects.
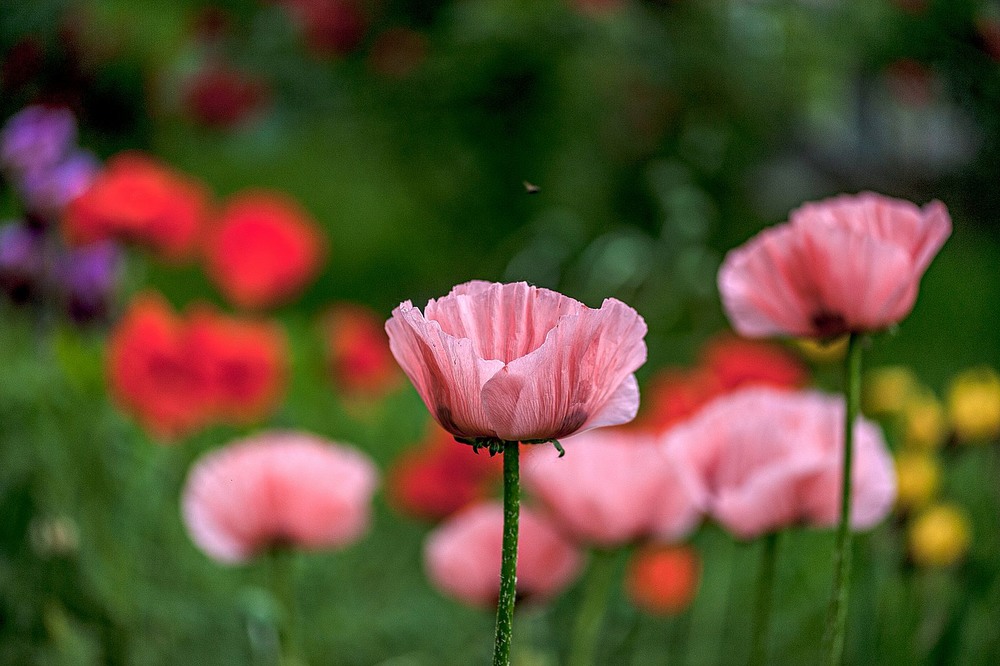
[
  {"x": 847, "y": 264},
  {"x": 518, "y": 363},
  {"x": 617, "y": 489},
  {"x": 462, "y": 556},
  {"x": 764, "y": 459},
  {"x": 278, "y": 489}
]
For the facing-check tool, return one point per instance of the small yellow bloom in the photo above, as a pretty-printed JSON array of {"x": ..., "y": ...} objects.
[
  {"x": 821, "y": 352},
  {"x": 917, "y": 479},
  {"x": 940, "y": 536},
  {"x": 974, "y": 404},
  {"x": 887, "y": 390},
  {"x": 924, "y": 424}
]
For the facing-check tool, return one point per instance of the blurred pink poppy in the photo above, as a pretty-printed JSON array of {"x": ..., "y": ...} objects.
[
  {"x": 617, "y": 490},
  {"x": 520, "y": 363},
  {"x": 847, "y": 264},
  {"x": 764, "y": 459},
  {"x": 277, "y": 489},
  {"x": 462, "y": 556}
]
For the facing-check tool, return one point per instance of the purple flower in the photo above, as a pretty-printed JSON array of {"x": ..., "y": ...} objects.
[
  {"x": 36, "y": 138},
  {"x": 47, "y": 191},
  {"x": 21, "y": 260},
  {"x": 88, "y": 276}
]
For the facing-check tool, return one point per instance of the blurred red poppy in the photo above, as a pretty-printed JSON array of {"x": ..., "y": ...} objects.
[
  {"x": 330, "y": 27},
  {"x": 222, "y": 97},
  {"x": 663, "y": 579},
  {"x": 358, "y": 351},
  {"x": 736, "y": 362},
  {"x": 244, "y": 362},
  {"x": 263, "y": 250},
  {"x": 440, "y": 477},
  {"x": 138, "y": 199},
  {"x": 150, "y": 372}
]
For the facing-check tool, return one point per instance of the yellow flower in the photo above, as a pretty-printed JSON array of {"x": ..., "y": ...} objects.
[
  {"x": 924, "y": 423},
  {"x": 918, "y": 477},
  {"x": 940, "y": 536},
  {"x": 974, "y": 404},
  {"x": 821, "y": 352},
  {"x": 887, "y": 390}
]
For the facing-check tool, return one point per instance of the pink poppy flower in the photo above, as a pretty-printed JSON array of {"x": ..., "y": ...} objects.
[
  {"x": 763, "y": 459},
  {"x": 277, "y": 489},
  {"x": 462, "y": 556},
  {"x": 847, "y": 264},
  {"x": 518, "y": 363},
  {"x": 619, "y": 489}
]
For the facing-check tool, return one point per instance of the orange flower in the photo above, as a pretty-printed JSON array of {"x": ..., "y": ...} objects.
[
  {"x": 244, "y": 363},
  {"x": 150, "y": 372},
  {"x": 358, "y": 351},
  {"x": 138, "y": 199},
  {"x": 264, "y": 250},
  {"x": 438, "y": 478},
  {"x": 663, "y": 580}
]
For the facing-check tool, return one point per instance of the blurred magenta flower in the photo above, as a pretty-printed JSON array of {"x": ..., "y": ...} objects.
[
  {"x": 462, "y": 556},
  {"x": 46, "y": 192},
  {"x": 277, "y": 489},
  {"x": 616, "y": 489},
  {"x": 263, "y": 250},
  {"x": 844, "y": 265},
  {"x": 520, "y": 363},
  {"x": 36, "y": 138},
  {"x": 762, "y": 460},
  {"x": 88, "y": 278},
  {"x": 22, "y": 261}
]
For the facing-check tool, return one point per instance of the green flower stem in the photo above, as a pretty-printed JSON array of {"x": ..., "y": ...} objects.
[
  {"x": 586, "y": 630},
  {"x": 765, "y": 597},
  {"x": 283, "y": 587},
  {"x": 836, "y": 620},
  {"x": 508, "y": 565}
]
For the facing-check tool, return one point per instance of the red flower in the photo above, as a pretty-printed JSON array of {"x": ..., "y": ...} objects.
[
  {"x": 220, "y": 96},
  {"x": 358, "y": 351},
  {"x": 150, "y": 372},
  {"x": 438, "y": 478},
  {"x": 736, "y": 362},
  {"x": 330, "y": 27},
  {"x": 663, "y": 579},
  {"x": 138, "y": 199},
  {"x": 674, "y": 394},
  {"x": 244, "y": 363},
  {"x": 264, "y": 250}
]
